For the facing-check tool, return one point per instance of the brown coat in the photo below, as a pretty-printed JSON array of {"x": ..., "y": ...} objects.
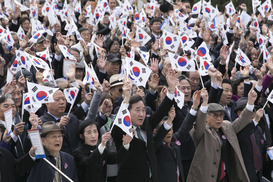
[{"x": 205, "y": 163}]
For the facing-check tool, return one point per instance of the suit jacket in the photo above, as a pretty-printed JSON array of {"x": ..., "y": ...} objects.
[
  {"x": 168, "y": 158},
  {"x": 10, "y": 166},
  {"x": 43, "y": 172},
  {"x": 206, "y": 160},
  {"x": 91, "y": 165},
  {"x": 247, "y": 150},
  {"x": 70, "y": 139},
  {"x": 134, "y": 163}
]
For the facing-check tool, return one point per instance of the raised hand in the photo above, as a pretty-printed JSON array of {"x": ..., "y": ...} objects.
[
  {"x": 224, "y": 51},
  {"x": 99, "y": 40},
  {"x": 258, "y": 115},
  {"x": 19, "y": 128},
  {"x": 154, "y": 65},
  {"x": 205, "y": 96},
  {"x": 153, "y": 82},
  {"x": 71, "y": 72},
  {"x": 101, "y": 62},
  {"x": 196, "y": 99},
  {"x": 171, "y": 80},
  {"x": 171, "y": 115},
  {"x": 64, "y": 121},
  {"x": 252, "y": 96},
  {"x": 126, "y": 139},
  {"x": 107, "y": 107},
  {"x": 245, "y": 71},
  {"x": 106, "y": 86},
  {"x": 98, "y": 86},
  {"x": 105, "y": 137},
  {"x": 34, "y": 120}
]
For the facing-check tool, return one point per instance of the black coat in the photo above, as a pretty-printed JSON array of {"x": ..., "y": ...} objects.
[
  {"x": 134, "y": 163},
  {"x": 9, "y": 166},
  {"x": 43, "y": 172},
  {"x": 91, "y": 165}
]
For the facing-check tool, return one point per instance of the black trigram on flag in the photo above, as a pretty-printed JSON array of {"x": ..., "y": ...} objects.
[
  {"x": 124, "y": 111},
  {"x": 34, "y": 89}
]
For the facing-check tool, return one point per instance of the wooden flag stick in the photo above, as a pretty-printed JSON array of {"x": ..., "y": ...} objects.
[
  {"x": 265, "y": 104},
  {"x": 201, "y": 80},
  {"x": 64, "y": 175},
  {"x": 22, "y": 106}
]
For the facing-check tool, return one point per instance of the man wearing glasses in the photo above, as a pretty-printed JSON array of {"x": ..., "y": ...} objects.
[{"x": 218, "y": 156}]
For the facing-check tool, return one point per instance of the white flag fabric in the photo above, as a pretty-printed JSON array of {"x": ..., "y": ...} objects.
[
  {"x": 142, "y": 36},
  {"x": 90, "y": 76},
  {"x": 71, "y": 94},
  {"x": 230, "y": 9},
  {"x": 23, "y": 59},
  {"x": 171, "y": 41},
  {"x": 266, "y": 55},
  {"x": 204, "y": 66},
  {"x": 262, "y": 40},
  {"x": 179, "y": 97},
  {"x": 37, "y": 62},
  {"x": 270, "y": 97},
  {"x": 242, "y": 58},
  {"x": 78, "y": 7},
  {"x": 44, "y": 55},
  {"x": 123, "y": 120},
  {"x": 180, "y": 63},
  {"x": 20, "y": 33},
  {"x": 138, "y": 73},
  {"x": 265, "y": 7},
  {"x": 48, "y": 77},
  {"x": 14, "y": 68},
  {"x": 113, "y": 21},
  {"x": 186, "y": 41},
  {"x": 36, "y": 36},
  {"x": 196, "y": 8},
  {"x": 40, "y": 94},
  {"x": 30, "y": 106},
  {"x": 203, "y": 52},
  {"x": 255, "y": 4},
  {"x": 131, "y": 54},
  {"x": 33, "y": 11},
  {"x": 66, "y": 52},
  {"x": 46, "y": 8},
  {"x": 144, "y": 55}
]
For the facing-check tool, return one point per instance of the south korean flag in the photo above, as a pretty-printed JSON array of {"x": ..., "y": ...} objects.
[
  {"x": 171, "y": 41},
  {"x": 142, "y": 36},
  {"x": 186, "y": 41},
  {"x": 138, "y": 73},
  {"x": 144, "y": 55},
  {"x": 123, "y": 120},
  {"x": 71, "y": 94},
  {"x": 180, "y": 63},
  {"x": 40, "y": 94},
  {"x": 179, "y": 97}
]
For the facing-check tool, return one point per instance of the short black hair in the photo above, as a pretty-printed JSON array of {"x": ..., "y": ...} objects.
[
  {"x": 226, "y": 81},
  {"x": 84, "y": 29},
  {"x": 155, "y": 20},
  {"x": 183, "y": 77},
  {"x": 134, "y": 99},
  {"x": 83, "y": 125}
]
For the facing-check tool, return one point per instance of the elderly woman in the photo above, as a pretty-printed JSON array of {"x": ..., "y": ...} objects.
[
  {"x": 52, "y": 139},
  {"x": 91, "y": 155}
]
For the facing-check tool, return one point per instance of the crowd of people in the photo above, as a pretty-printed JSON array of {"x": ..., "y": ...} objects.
[{"x": 221, "y": 132}]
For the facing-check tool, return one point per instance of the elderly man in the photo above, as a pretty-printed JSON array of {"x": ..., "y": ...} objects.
[
  {"x": 218, "y": 156},
  {"x": 56, "y": 113},
  {"x": 52, "y": 139}
]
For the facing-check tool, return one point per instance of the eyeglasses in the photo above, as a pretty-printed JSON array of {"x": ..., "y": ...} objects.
[{"x": 216, "y": 116}]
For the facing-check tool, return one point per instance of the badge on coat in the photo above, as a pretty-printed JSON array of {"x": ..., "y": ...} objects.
[{"x": 65, "y": 165}]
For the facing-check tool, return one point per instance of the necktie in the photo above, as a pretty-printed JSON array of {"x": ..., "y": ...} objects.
[
  {"x": 139, "y": 134},
  {"x": 19, "y": 148},
  {"x": 227, "y": 112},
  {"x": 257, "y": 158}
]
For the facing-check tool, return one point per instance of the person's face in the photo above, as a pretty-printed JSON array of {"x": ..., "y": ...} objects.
[
  {"x": 62, "y": 85},
  {"x": 112, "y": 4},
  {"x": 188, "y": 7},
  {"x": 5, "y": 105},
  {"x": 194, "y": 79},
  {"x": 156, "y": 27},
  {"x": 116, "y": 92},
  {"x": 185, "y": 87},
  {"x": 16, "y": 41},
  {"x": 25, "y": 25},
  {"x": 105, "y": 19},
  {"x": 115, "y": 47},
  {"x": 91, "y": 135},
  {"x": 215, "y": 119},
  {"x": 138, "y": 113},
  {"x": 79, "y": 74},
  {"x": 240, "y": 90},
  {"x": 112, "y": 68},
  {"x": 86, "y": 35},
  {"x": 17, "y": 96},
  {"x": 39, "y": 47},
  {"x": 254, "y": 54},
  {"x": 57, "y": 108},
  {"x": 83, "y": 90},
  {"x": 53, "y": 142},
  {"x": 226, "y": 95},
  {"x": 76, "y": 55},
  {"x": 57, "y": 27},
  {"x": 72, "y": 40}
]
